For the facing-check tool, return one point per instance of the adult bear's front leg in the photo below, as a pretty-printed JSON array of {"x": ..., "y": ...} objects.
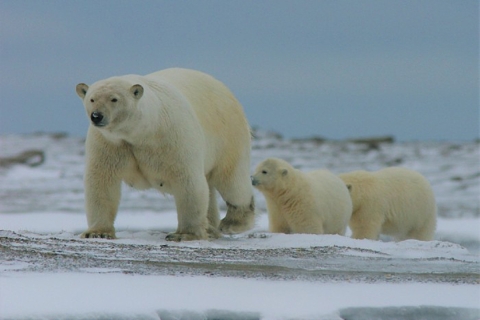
[
  {"x": 104, "y": 166},
  {"x": 191, "y": 200},
  {"x": 102, "y": 196}
]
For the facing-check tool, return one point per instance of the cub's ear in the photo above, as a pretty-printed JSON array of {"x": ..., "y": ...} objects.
[
  {"x": 284, "y": 172},
  {"x": 349, "y": 187},
  {"x": 81, "y": 89},
  {"x": 137, "y": 91}
]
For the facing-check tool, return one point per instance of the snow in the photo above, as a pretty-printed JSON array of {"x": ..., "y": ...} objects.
[
  {"x": 47, "y": 272},
  {"x": 104, "y": 293},
  {"x": 137, "y": 228}
]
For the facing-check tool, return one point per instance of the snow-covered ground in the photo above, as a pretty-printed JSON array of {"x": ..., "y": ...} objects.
[{"x": 47, "y": 272}]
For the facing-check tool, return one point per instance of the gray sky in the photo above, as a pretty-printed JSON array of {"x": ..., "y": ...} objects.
[{"x": 336, "y": 69}]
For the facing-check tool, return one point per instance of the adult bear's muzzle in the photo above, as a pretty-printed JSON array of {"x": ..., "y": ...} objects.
[{"x": 97, "y": 118}]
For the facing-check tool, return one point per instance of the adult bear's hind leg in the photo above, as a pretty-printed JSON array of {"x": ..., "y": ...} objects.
[
  {"x": 213, "y": 215},
  {"x": 238, "y": 194},
  {"x": 239, "y": 218}
]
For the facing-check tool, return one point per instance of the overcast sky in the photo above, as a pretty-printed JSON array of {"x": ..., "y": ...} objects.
[{"x": 335, "y": 69}]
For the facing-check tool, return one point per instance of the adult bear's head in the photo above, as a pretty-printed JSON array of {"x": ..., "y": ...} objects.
[{"x": 110, "y": 102}]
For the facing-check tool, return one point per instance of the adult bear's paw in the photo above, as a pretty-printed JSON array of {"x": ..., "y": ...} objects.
[
  {"x": 98, "y": 234},
  {"x": 178, "y": 237},
  {"x": 238, "y": 219}
]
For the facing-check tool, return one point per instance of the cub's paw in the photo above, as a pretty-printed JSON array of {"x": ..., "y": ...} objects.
[
  {"x": 178, "y": 237},
  {"x": 98, "y": 234}
]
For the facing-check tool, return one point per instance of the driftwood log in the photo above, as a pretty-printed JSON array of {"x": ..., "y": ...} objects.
[{"x": 31, "y": 158}]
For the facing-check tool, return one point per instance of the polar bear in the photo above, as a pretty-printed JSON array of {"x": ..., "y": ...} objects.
[
  {"x": 394, "y": 201},
  {"x": 315, "y": 202},
  {"x": 179, "y": 131}
]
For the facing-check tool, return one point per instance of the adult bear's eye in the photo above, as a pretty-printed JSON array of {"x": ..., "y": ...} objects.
[
  {"x": 92, "y": 101},
  {"x": 114, "y": 100},
  {"x": 264, "y": 171}
]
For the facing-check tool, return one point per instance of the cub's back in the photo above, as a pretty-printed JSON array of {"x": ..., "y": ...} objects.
[
  {"x": 329, "y": 189},
  {"x": 325, "y": 180}
]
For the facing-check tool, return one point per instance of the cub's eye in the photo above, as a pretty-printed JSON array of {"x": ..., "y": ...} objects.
[
  {"x": 114, "y": 100},
  {"x": 92, "y": 101},
  {"x": 264, "y": 171}
]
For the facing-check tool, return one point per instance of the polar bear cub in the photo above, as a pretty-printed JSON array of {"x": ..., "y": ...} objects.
[
  {"x": 394, "y": 201},
  {"x": 178, "y": 131},
  {"x": 315, "y": 202}
]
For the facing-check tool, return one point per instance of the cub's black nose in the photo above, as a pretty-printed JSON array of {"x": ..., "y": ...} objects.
[{"x": 96, "y": 117}]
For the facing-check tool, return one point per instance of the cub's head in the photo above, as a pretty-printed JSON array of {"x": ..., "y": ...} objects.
[
  {"x": 109, "y": 102},
  {"x": 272, "y": 174}
]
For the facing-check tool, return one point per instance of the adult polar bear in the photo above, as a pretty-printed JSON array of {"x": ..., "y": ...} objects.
[{"x": 179, "y": 131}]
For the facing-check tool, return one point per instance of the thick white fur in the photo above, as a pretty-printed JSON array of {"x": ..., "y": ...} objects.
[
  {"x": 315, "y": 202},
  {"x": 179, "y": 131},
  {"x": 394, "y": 201}
]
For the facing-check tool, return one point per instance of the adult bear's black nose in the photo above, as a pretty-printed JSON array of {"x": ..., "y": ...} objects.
[{"x": 96, "y": 117}]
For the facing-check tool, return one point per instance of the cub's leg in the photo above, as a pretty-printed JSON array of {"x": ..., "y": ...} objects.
[
  {"x": 364, "y": 225},
  {"x": 276, "y": 220},
  {"x": 314, "y": 227},
  {"x": 423, "y": 233},
  {"x": 305, "y": 220}
]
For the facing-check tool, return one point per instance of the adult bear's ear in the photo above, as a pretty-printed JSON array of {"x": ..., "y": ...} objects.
[
  {"x": 137, "y": 91},
  {"x": 284, "y": 172},
  {"x": 81, "y": 89}
]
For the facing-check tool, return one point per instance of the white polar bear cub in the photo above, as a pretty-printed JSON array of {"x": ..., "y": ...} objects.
[
  {"x": 394, "y": 201},
  {"x": 315, "y": 202},
  {"x": 179, "y": 131}
]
